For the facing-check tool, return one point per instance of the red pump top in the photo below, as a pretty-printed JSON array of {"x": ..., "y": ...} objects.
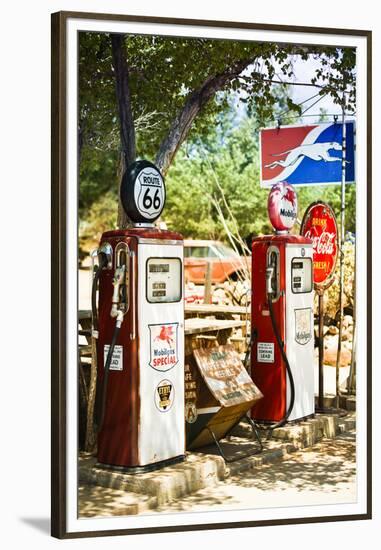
[
  {"x": 144, "y": 232},
  {"x": 282, "y": 238}
]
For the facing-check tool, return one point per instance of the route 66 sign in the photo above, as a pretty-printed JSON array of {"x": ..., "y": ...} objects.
[{"x": 142, "y": 192}]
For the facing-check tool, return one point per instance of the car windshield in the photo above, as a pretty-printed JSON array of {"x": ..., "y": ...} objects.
[
  {"x": 225, "y": 251},
  {"x": 215, "y": 250},
  {"x": 196, "y": 251}
]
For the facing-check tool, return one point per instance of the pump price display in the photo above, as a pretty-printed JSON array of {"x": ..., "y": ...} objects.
[
  {"x": 159, "y": 268},
  {"x": 163, "y": 280},
  {"x": 301, "y": 275}
]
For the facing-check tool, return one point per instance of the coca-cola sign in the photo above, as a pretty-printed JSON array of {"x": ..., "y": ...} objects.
[{"x": 319, "y": 224}]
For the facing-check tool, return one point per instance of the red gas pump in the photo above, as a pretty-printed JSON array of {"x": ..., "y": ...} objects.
[
  {"x": 140, "y": 387},
  {"x": 282, "y": 362}
]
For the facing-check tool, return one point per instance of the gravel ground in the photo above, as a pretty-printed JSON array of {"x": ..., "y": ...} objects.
[{"x": 322, "y": 474}]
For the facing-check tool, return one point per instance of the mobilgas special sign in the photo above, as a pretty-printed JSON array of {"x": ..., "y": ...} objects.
[
  {"x": 163, "y": 346},
  {"x": 306, "y": 155}
]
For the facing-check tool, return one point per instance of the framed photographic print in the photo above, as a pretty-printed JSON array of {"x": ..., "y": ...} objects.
[{"x": 204, "y": 374}]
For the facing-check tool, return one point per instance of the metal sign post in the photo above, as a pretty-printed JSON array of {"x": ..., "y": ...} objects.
[
  {"x": 319, "y": 224},
  {"x": 342, "y": 241},
  {"x": 321, "y": 349}
]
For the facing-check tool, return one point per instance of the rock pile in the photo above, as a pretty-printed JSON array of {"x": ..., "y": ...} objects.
[{"x": 331, "y": 338}]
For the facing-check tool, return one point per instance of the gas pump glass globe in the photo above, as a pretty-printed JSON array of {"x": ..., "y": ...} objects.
[{"x": 282, "y": 206}]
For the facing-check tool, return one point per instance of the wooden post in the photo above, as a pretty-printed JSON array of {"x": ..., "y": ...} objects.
[
  {"x": 90, "y": 440},
  {"x": 208, "y": 283}
]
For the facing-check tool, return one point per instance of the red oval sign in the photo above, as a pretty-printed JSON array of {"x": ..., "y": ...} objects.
[
  {"x": 319, "y": 224},
  {"x": 282, "y": 206}
]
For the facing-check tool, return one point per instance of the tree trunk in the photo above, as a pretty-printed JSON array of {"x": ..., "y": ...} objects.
[
  {"x": 126, "y": 121},
  {"x": 193, "y": 105}
]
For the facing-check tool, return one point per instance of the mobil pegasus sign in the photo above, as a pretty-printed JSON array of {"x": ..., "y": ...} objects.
[
  {"x": 306, "y": 155},
  {"x": 282, "y": 206}
]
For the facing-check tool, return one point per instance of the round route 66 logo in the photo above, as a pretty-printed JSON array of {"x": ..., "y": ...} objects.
[{"x": 142, "y": 192}]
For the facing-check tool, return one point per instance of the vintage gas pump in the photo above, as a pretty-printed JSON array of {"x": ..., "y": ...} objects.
[
  {"x": 282, "y": 361},
  {"x": 140, "y": 319}
]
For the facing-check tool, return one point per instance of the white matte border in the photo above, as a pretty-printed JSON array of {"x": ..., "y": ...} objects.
[{"x": 90, "y": 524}]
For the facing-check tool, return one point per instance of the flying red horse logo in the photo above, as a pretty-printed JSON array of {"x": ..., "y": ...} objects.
[
  {"x": 289, "y": 196},
  {"x": 166, "y": 335}
]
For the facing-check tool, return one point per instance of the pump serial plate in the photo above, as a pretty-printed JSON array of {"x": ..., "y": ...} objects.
[
  {"x": 117, "y": 357},
  {"x": 265, "y": 352}
]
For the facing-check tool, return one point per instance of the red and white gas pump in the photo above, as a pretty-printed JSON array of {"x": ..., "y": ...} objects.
[
  {"x": 140, "y": 387},
  {"x": 282, "y": 360}
]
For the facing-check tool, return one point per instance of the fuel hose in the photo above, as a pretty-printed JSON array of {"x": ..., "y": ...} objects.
[
  {"x": 283, "y": 421},
  {"x": 102, "y": 263},
  {"x": 110, "y": 353}
]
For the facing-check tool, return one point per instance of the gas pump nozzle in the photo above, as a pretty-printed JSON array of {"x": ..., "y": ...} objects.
[
  {"x": 117, "y": 281},
  {"x": 269, "y": 276},
  {"x": 104, "y": 255},
  {"x": 119, "y": 318}
]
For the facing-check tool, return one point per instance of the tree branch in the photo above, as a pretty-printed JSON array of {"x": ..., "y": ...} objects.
[
  {"x": 196, "y": 101},
  {"x": 127, "y": 128}
]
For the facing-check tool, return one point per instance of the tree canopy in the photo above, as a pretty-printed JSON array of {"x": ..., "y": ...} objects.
[{"x": 168, "y": 99}]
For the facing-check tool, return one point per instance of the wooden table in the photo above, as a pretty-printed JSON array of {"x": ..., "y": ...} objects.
[
  {"x": 205, "y": 332},
  {"x": 200, "y": 326},
  {"x": 219, "y": 311}
]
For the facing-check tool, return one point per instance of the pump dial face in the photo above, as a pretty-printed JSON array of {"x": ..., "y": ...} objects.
[{"x": 163, "y": 280}]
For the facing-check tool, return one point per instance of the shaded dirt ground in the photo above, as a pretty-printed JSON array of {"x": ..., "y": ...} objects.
[
  {"x": 322, "y": 474},
  {"x": 102, "y": 502}
]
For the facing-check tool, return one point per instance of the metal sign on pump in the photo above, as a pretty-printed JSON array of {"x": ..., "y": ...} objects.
[
  {"x": 282, "y": 361},
  {"x": 139, "y": 321}
]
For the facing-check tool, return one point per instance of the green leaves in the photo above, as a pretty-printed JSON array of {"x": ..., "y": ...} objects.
[
  {"x": 163, "y": 73},
  {"x": 227, "y": 157}
]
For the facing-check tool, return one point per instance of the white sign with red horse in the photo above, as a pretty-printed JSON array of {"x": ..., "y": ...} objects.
[
  {"x": 282, "y": 206},
  {"x": 163, "y": 346}
]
